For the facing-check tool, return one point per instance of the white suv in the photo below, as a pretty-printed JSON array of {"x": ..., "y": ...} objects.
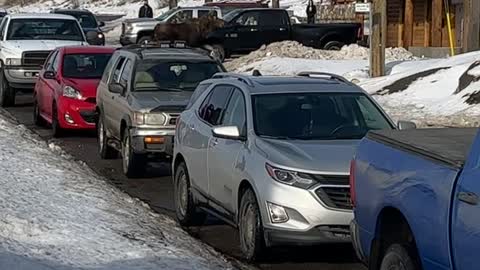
[
  {"x": 26, "y": 40},
  {"x": 271, "y": 155}
]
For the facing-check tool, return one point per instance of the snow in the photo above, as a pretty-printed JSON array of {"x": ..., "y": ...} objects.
[{"x": 58, "y": 214}]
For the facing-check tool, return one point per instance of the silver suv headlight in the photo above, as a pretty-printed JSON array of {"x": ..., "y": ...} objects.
[
  {"x": 154, "y": 119},
  {"x": 291, "y": 178}
]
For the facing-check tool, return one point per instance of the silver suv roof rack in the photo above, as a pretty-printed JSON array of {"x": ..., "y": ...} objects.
[
  {"x": 324, "y": 74},
  {"x": 239, "y": 77}
]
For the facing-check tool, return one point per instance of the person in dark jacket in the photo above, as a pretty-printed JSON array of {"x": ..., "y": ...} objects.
[
  {"x": 145, "y": 11},
  {"x": 311, "y": 12}
]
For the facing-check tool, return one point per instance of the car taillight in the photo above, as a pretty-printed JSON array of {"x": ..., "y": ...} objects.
[{"x": 352, "y": 183}]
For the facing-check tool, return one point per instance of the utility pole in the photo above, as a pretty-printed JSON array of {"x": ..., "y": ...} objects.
[
  {"x": 471, "y": 31},
  {"x": 378, "y": 37},
  {"x": 275, "y": 3}
]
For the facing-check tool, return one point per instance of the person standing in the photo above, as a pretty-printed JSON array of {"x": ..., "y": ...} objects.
[
  {"x": 311, "y": 12},
  {"x": 145, "y": 11}
]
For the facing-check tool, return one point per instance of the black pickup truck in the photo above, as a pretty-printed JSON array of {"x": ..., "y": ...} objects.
[{"x": 248, "y": 29}]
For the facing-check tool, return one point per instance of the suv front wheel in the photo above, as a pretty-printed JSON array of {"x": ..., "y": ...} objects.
[
  {"x": 105, "y": 150},
  {"x": 7, "y": 93},
  {"x": 250, "y": 227},
  {"x": 133, "y": 163},
  {"x": 185, "y": 208}
]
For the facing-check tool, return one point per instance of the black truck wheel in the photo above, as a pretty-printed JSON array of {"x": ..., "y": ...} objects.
[
  {"x": 333, "y": 46},
  {"x": 398, "y": 257}
]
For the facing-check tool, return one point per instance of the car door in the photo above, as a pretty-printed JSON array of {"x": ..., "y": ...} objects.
[
  {"x": 274, "y": 26},
  {"x": 41, "y": 86},
  {"x": 52, "y": 85},
  {"x": 200, "y": 130},
  {"x": 244, "y": 33},
  {"x": 223, "y": 154},
  {"x": 466, "y": 219},
  {"x": 120, "y": 107},
  {"x": 109, "y": 98}
]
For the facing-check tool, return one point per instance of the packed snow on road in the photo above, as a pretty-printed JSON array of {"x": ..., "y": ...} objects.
[{"x": 58, "y": 214}]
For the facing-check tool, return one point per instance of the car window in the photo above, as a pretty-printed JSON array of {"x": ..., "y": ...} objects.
[
  {"x": 117, "y": 70},
  {"x": 108, "y": 69},
  {"x": 213, "y": 110},
  {"x": 371, "y": 115},
  {"x": 202, "y": 13},
  {"x": 86, "y": 20},
  {"x": 235, "y": 114},
  {"x": 49, "y": 62},
  {"x": 249, "y": 18},
  {"x": 3, "y": 25},
  {"x": 181, "y": 16},
  {"x": 56, "y": 63},
  {"x": 85, "y": 65},
  {"x": 273, "y": 18},
  {"x": 197, "y": 93},
  {"x": 127, "y": 70},
  {"x": 44, "y": 29}
]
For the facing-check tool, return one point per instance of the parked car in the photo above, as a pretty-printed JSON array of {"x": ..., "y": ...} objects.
[
  {"x": 65, "y": 93},
  {"x": 141, "y": 30},
  {"x": 248, "y": 29},
  {"x": 89, "y": 23},
  {"x": 228, "y": 6},
  {"x": 25, "y": 43},
  {"x": 271, "y": 155},
  {"x": 141, "y": 94},
  {"x": 417, "y": 199}
]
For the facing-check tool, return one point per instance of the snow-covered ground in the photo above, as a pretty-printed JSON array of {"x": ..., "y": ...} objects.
[
  {"x": 58, "y": 214},
  {"x": 428, "y": 91}
]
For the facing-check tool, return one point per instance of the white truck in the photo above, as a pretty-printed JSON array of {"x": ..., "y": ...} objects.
[{"x": 26, "y": 40}]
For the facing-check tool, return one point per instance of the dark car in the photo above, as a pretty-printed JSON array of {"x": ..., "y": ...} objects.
[
  {"x": 3, "y": 13},
  {"x": 89, "y": 24},
  {"x": 248, "y": 29}
]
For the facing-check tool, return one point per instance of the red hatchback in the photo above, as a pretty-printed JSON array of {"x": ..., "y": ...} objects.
[{"x": 66, "y": 90}]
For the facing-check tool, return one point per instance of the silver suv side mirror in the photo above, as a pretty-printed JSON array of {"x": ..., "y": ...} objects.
[
  {"x": 403, "y": 125},
  {"x": 228, "y": 132}
]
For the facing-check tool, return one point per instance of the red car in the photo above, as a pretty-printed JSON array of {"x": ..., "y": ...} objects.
[{"x": 65, "y": 92}]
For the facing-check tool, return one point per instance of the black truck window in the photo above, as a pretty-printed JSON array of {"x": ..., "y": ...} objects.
[
  {"x": 249, "y": 18},
  {"x": 273, "y": 18}
]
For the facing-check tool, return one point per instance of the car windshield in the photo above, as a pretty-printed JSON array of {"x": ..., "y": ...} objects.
[
  {"x": 165, "y": 15},
  {"x": 87, "y": 20},
  {"x": 228, "y": 17},
  {"x": 85, "y": 66},
  {"x": 316, "y": 116},
  {"x": 172, "y": 76},
  {"x": 54, "y": 29}
]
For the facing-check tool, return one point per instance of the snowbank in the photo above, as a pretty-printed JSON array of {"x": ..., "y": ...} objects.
[{"x": 58, "y": 214}]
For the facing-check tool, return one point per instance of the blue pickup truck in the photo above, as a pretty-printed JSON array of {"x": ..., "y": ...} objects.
[{"x": 416, "y": 199}]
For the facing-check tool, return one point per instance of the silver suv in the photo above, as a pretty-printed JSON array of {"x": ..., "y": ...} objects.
[
  {"x": 271, "y": 155},
  {"x": 142, "y": 92}
]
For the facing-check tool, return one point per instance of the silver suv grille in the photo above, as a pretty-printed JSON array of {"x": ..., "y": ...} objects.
[{"x": 335, "y": 197}]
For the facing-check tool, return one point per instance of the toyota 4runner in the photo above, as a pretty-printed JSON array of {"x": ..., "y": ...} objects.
[{"x": 143, "y": 91}]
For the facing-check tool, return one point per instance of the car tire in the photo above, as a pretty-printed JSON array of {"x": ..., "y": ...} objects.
[
  {"x": 57, "y": 130},
  {"x": 144, "y": 40},
  {"x": 398, "y": 257},
  {"x": 218, "y": 51},
  {"x": 37, "y": 118},
  {"x": 250, "y": 228},
  {"x": 333, "y": 46},
  {"x": 105, "y": 150},
  {"x": 133, "y": 164},
  {"x": 186, "y": 211},
  {"x": 7, "y": 93}
]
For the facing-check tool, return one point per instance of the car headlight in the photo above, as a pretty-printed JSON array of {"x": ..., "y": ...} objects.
[
  {"x": 13, "y": 62},
  {"x": 71, "y": 92},
  {"x": 154, "y": 119},
  {"x": 291, "y": 178},
  {"x": 100, "y": 35}
]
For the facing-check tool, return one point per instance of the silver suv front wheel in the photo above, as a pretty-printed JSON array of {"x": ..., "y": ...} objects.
[
  {"x": 133, "y": 163},
  {"x": 185, "y": 208},
  {"x": 250, "y": 227}
]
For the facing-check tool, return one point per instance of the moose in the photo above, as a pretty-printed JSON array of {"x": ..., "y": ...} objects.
[{"x": 194, "y": 32}]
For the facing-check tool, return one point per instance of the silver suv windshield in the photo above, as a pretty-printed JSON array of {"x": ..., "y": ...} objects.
[
  {"x": 316, "y": 116},
  {"x": 46, "y": 29},
  {"x": 165, "y": 15},
  {"x": 153, "y": 75}
]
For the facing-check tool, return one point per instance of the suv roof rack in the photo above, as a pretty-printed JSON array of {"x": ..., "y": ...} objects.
[
  {"x": 242, "y": 78},
  {"x": 324, "y": 74},
  {"x": 159, "y": 44}
]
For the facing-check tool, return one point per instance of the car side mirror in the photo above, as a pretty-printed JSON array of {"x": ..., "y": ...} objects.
[
  {"x": 227, "y": 132},
  {"x": 50, "y": 75},
  {"x": 101, "y": 24},
  {"x": 404, "y": 125},
  {"x": 116, "y": 88}
]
